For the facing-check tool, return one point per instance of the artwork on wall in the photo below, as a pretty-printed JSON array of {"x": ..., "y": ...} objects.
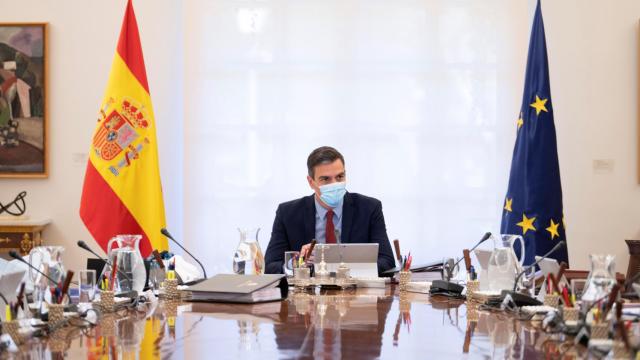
[{"x": 23, "y": 105}]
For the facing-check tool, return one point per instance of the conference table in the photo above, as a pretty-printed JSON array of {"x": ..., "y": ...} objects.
[{"x": 360, "y": 323}]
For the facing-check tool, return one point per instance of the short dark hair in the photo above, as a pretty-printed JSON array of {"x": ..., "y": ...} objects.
[{"x": 322, "y": 155}]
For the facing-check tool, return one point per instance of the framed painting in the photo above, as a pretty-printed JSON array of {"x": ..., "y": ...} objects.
[{"x": 23, "y": 100}]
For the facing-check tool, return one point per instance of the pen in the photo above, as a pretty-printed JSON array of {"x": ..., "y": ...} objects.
[
  {"x": 65, "y": 287},
  {"x": 396, "y": 245},
  {"x": 113, "y": 271},
  {"x": 621, "y": 327},
  {"x": 156, "y": 255},
  {"x": 7, "y": 312},
  {"x": 565, "y": 296},
  {"x": 563, "y": 268},
  {"x": 171, "y": 274},
  {"x": 554, "y": 283},
  {"x": 20, "y": 303},
  {"x": 467, "y": 259},
  {"x": 313, "y": 244},
  {"x": 306, "y": 255}
]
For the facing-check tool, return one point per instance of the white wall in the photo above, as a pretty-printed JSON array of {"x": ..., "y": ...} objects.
[
  {"x": 593, "y": 57},
  {"x": 82, "y": 38},
  {"x": 592, "y": 44}
]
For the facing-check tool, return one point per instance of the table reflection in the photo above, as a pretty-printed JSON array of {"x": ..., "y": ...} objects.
[
  {"x": 344, "y": 324},
  {"x": 351, "y": 324}
]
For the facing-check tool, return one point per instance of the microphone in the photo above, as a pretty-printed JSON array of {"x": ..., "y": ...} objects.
[
  {"x": 554, "y": 249},
  {"x": 448, "y": 288},
  {"x": 485, "y": 237},
  {"x": 166, "y": 233},
  {"x": 522, "y": 299},
  {"x": 14, "y": 254},
  {"x": 84, "y": 245}
]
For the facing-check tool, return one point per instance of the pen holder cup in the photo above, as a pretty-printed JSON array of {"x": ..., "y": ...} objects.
[
  {"x": 171, "y": 289},
  {"x": 106, "y": 303},
  {"x": 620, "y": 351},
  {"x": 552, "y": 300},
  {"x": 13, "y": 329},
  {"x": 404, "y": 278},
  {"x": 600, "y": 331},
  {"x": 56, "y": 313},
  {"x": 472, "y": 286},
  {"x": 570, "y": 314}
]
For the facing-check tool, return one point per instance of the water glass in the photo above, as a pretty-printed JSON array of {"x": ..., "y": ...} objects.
[
  {"x": 87, "y": 285},
  {"x": 290, "y": 257}
]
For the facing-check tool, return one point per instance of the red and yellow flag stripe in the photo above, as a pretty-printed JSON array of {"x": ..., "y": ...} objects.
[{"x": 122, "y": 192}]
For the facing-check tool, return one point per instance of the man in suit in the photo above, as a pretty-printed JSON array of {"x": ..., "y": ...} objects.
[{"x": 330, "y": 215}]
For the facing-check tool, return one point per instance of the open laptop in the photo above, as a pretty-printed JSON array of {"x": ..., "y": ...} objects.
[{"x": 360, "y": 258}]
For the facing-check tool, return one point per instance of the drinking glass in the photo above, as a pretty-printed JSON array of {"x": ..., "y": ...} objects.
[
  {"x": 87, "y": 285},
  {"x": 289, "y": 258}
]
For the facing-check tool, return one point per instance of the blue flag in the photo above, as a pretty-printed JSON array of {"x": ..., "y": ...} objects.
[{"x": 533, "y": 205}]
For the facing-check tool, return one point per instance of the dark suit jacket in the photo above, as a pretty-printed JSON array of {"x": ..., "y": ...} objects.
[{"x": 295, "y": 226}]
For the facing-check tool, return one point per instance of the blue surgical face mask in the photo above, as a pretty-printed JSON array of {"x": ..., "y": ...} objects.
[{"x": 333, "y": 194}]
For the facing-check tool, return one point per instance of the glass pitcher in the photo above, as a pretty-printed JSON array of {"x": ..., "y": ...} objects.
[
  {"x": 504, "y": 266},
  {"x": 248, "y": 259},
  {"x": 47, "y": 259},
  {"x": 601, "y": 278},
  {"x": 126, "y": 256}
]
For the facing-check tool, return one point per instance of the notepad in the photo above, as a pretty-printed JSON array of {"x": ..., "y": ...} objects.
[{"x": 240, "y": 288}]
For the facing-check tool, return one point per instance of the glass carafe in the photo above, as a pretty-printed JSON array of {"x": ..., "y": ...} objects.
[
  {"x": 124, "y": 252},
  {"x": 47, "y": 259},
  {"x": 504, "y": 266},
  {"x": 248, "y": 258},
  {"x": 601, "y": 278}
]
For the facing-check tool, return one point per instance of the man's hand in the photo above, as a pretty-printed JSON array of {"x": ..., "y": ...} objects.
[{"x": 303, "y": 253}]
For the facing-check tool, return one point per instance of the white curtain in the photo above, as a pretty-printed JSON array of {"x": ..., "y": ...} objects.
[{"x": 421, "y": 97}]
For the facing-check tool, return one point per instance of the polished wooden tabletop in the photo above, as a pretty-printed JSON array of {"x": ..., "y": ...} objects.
[{"x": 349, "y": 324}]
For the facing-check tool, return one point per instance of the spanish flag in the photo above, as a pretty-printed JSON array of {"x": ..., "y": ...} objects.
[{"x": 122, "y": 193}]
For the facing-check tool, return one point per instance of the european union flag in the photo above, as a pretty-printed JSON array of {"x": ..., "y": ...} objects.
[{"x": 533, "y": 205}]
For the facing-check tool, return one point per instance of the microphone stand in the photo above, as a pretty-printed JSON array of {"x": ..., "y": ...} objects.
[
  {"x": 523, "y": 299},
  {"x": 445, "y": 286},
  {"x": 14, "y": 254},
  {"x": 166, "y": 233},
  {"x": 86, "y": 247}
]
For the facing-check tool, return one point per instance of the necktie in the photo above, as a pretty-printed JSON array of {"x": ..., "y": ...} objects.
[{"x": 330, "y": 230}]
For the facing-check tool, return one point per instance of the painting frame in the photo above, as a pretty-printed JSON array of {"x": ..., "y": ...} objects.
[{"x": 24, "y": 138}]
